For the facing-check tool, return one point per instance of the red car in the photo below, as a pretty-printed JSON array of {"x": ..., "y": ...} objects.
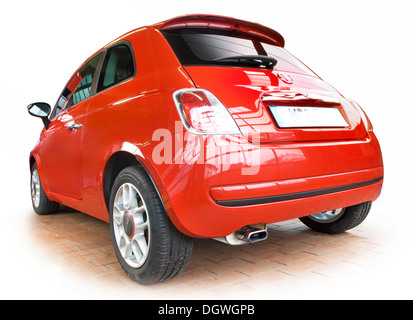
[{"x": 202, "y": 126}]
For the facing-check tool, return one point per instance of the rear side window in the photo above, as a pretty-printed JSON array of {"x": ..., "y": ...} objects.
[
  {"x": 198, "y": 47},
  {"x": 117, "y": 67}
]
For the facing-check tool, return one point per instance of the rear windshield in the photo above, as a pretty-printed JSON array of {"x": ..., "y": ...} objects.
[{"x": 201, "y": 47}]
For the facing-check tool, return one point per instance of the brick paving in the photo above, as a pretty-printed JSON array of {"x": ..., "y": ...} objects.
[{"x": 294, "y": 262}]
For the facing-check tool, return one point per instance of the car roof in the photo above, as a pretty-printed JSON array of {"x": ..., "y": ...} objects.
[{"x": 222, "y": 22}]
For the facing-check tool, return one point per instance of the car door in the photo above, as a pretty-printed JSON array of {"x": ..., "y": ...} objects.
[{"x": 61, "y": 144}]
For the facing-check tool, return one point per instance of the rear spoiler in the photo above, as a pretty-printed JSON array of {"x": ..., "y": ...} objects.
[{"x": 220, "y": 22}]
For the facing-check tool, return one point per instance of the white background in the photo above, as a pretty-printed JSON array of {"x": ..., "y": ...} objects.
[{"x": 363, "y": 48}]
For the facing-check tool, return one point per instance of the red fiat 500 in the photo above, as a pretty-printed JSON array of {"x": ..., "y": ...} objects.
[{"x": 202, "y": 126}]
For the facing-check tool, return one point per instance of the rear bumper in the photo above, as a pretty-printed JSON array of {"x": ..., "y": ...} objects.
[
  {"x": 294, "y": 189},
  {"x": 231, "y": 189},
  {"x": 212, "y": 219}
]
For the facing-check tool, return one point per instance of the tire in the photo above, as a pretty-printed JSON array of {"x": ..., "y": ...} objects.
[
  {"x": 147, "y": 245},
  {"x": 40, "y": 202},
  {"x": 339, "y": 220}
]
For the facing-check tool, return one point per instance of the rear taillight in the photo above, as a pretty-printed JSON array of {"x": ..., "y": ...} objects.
[{"x": 202, "y": 113}]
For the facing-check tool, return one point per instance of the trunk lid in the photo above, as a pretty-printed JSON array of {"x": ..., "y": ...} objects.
[{"x": 248, "y": 94}]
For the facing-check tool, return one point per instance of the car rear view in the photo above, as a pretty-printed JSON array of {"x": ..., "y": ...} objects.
[
  {"x": 304, "y": 151},
  {"x": 202, "y": 126}
]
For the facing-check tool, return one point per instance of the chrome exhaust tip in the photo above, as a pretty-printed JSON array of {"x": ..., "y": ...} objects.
[
  {"x": 252, "y": 234},
  {"x": 247, "y": 234}
]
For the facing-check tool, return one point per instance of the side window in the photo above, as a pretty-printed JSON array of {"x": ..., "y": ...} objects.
[
  {"x": 79, "y": 86},
  {"x": 117, "y": 67}
]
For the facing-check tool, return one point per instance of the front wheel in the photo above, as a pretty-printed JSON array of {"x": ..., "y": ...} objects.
[
  {"x": 338, "y": 220},
  {"x": 41, "y": 203},
  {"x": 147, "y": 244}
]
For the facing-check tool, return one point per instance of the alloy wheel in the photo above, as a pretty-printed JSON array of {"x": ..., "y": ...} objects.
[
  {"x": 327, "y": 216},
  {"x": 35, "y": 188},
  {"x": 131, "y": 225}
]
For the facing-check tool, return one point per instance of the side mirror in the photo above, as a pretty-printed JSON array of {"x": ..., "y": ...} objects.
[{"x": 40, "y": 110}]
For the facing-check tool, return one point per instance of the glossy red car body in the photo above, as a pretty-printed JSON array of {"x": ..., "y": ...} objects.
[{"x": 301, "y": 171}]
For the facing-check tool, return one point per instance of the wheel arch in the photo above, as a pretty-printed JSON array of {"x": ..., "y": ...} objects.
[
  {"x": 32, "y": 161},
  {"x": 122, "y": 159},
  {"x": 115, "y": 164},
  {"x": 35, "y": 159}
]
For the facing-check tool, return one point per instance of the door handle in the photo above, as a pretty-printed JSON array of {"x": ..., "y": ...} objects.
[{"x": 75, "y": 126}]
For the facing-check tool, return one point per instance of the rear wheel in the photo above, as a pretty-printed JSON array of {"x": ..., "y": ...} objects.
[
  {"x": 147, "y": 244},
  {"x": 41, "y": 204},
  {"x": 338, "y": 220}
]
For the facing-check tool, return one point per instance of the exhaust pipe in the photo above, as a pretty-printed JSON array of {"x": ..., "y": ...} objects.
[
  {"x": 247, "y": 234},
  {"x": 252, "y": 234}
]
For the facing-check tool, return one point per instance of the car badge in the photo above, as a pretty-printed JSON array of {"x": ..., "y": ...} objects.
[{"x": 285, "y": 78}]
